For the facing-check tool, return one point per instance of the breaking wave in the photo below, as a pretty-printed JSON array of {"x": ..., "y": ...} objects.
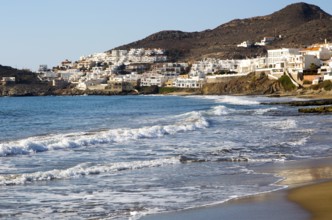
[
  {"x": 263, "y": 111},
  {"x": 219, "y": 110},
  {"x": 82, "y": 170},
  {"x": 235, "y": 100},
  {"x": 192, "y": 121}
]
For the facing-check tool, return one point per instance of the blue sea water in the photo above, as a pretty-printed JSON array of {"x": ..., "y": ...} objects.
[{"x": 121, "y": 157}]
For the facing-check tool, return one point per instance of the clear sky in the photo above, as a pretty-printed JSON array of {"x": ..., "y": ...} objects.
[{"x": 35, "y": 32}]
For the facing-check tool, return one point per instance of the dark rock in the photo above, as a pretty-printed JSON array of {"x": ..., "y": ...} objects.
[
  {"x": 317, "y": 102},
  {"x": 324, "y": 109}
]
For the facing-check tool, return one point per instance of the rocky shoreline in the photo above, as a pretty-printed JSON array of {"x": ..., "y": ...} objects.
[
  {"x": 316, "y": 105},
  {"x": 252, "y": 84}
]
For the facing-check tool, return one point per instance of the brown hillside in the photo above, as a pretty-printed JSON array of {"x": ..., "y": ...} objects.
[
  {"x": 22, "y": 76},
  {"x": 299, "y": 25}
]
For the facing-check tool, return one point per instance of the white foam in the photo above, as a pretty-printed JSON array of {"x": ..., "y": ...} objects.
[
  {"x": 263, "y": 111},
  {"x": 282, "y": 124},
  {"x": 81, "y": 170},
  {"x": 192, "y": 121},
  {"x": 299, "y": 142},
  {"x": 237, "y": 100},
  {"x": 220, "y": 110}
]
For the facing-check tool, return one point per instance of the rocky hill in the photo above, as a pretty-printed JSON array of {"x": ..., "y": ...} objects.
[
  {"x": 22, "y": 76},
  {"x": 26, "y": 83},
  {"x": 299, "y": 25},
  {"x": 253, "y": 84}
]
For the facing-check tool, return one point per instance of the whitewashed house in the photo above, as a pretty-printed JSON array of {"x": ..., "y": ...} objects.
[
  {"x": 194, "y": 82},
  {"x": 245, "y": 44},
  {"x": 302, "y": 62},
  {"x": 325, "y": 72},
  {"x": 278, "y": 57},
  {"x": 265, "y": 41},
  {"x": 321, "y": 52},
  {"x": 153, "y": 79}
]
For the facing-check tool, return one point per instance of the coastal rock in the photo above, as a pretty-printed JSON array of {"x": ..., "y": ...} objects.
[
  {"x": 317, "y": 102},
  {"x": 324, "y": 109},
  {"x": 26, "y": 90}
]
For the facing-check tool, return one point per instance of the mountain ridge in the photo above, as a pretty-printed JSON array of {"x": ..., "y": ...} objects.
[{"x": 299, "y": 25}]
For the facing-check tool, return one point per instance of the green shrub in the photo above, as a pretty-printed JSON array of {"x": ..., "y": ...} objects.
[
  {"x": 327, "y": 85},
  {"x": 315, "y": 87},
  {"x": 286, "y": 83}
]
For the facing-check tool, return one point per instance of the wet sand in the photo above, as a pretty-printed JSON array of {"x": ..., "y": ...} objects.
[
  {"x": 308, "y": 195},
  {"x": 316, "y": 198}
]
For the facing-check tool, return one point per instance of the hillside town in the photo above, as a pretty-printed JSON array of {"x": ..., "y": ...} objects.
[{"x": 126, "y": 70}]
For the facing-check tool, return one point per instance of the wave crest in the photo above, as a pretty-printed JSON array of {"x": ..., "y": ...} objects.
[
  {"x": 192, "y": 121},
  {"x": 82, "y": 170}
]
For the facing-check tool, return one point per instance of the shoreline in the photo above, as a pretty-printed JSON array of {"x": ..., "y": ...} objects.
[{"x": 305, "y": 180}]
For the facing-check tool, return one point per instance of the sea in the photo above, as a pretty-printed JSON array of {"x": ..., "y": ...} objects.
[{"x": 124, "y": 157}]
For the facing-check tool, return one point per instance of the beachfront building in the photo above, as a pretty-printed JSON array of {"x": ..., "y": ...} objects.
[
  {"x": 117, "y": 84},
  {"x": 92, "y": 83},
  {"x": 194, "y": 82},
  {"x": 250, "y": 65},
  {"x": 302, "y": 62},
  {"x": 153, "y": 79},
  {"x": 132, "y": 78},
  {"x": 283, "y": 59},
  {"x": 277, "y": 58}
]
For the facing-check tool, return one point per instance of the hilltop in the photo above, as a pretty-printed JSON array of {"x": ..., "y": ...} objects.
[{"x": 299, "y": 25}]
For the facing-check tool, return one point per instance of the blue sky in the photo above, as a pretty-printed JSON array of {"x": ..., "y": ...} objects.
[{"x": 37, "y": 32}]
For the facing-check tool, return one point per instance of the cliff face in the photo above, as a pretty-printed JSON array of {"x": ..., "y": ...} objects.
[
  {"x": 252, "y": 84},
  {"x": 299, "y": 25},
  {"x": 25, "y": 90}
]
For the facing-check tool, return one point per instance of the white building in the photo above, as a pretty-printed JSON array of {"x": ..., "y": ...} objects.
[
  {"x": 265, "y": 41},
  {"x": 245, "y": 44},
  {"x": 302, "y": 62},
  {"x": 194, "y": 82},
  {"x": 326, "y": 72},
  {"x": 153, "y": 79},
  {"x": 278, "y": 57},
  {"x": 321, "y": 52}
]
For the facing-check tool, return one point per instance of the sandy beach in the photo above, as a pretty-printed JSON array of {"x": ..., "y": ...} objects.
[{"x": 308, "y": 196}]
